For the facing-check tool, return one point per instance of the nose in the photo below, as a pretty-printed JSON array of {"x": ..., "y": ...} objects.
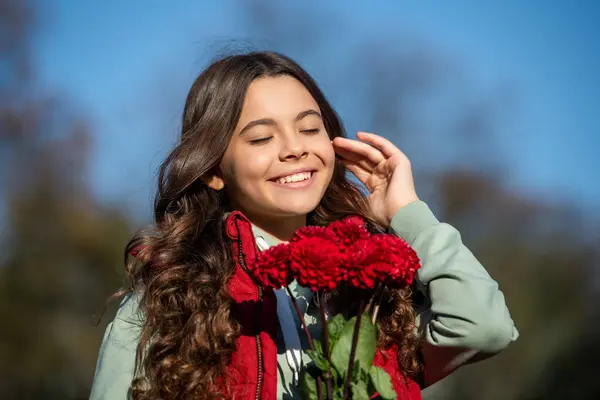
[{"x": 294, "y": 147}]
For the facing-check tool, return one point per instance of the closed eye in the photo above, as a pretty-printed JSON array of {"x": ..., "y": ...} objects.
[
  {"x": 261, "y": 140},
  {"x": 311, "y": 131}
]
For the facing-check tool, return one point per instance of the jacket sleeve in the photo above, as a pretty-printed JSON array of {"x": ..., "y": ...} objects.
[
  {"x": 467, "y": 318},
  {"x": 116, "y": 360}
]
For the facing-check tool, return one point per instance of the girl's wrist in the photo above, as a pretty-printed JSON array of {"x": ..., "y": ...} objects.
[{"x": 401, "y": 204}]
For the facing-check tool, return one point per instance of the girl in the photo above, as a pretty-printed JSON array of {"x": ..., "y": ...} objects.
[{"x": 261, "y": 154}]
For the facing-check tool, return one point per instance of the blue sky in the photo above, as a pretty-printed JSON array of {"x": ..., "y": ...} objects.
[{"x": 127, "y": 66}]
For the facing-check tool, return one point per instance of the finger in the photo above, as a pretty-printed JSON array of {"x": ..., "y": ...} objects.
[
  {"x": 355, "y": 158},
  {"x": 361, "y": 149},
  {"x": 385, "y": 146},
  {"x": 358, "y": 171}
]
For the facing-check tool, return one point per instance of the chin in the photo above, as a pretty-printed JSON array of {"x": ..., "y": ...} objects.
[{"x": 297, "y": 210}]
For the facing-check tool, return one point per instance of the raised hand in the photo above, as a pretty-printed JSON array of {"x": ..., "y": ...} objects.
[{"x": 383, "y": 169}]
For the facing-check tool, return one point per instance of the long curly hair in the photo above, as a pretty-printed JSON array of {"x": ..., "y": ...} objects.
[{"x": 189, "y": 332}]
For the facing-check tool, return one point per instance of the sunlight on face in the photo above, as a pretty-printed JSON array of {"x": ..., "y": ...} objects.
[{"x": 280, "y": 158}]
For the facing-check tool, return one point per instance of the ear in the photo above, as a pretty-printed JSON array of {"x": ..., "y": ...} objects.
[{"x": 214, "y": 182}]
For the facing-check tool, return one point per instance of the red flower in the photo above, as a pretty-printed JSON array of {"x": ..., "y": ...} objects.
[
  {"x": 316, "y": 263},
  {"x": 349, "y": 230},
  {"x": 383, "y": 259},
  {"x": 313, "y": 232},
  {"x": 272, "y": 267},
  {"x": 403, "y": 260}
]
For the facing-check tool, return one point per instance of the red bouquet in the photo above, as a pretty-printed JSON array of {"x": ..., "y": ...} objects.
[{"x": 322, "y": 259}]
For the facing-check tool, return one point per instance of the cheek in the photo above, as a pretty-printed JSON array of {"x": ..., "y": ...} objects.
[
  {"x": 254, "y": 167},
  {"x": 247, "y": 168},
  {"x": 326, "y": 153}
]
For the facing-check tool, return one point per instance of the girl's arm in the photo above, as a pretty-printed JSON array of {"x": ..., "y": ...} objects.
[
  {"x": 468, "y": 319},
  {"x": 116, "y": 359}
]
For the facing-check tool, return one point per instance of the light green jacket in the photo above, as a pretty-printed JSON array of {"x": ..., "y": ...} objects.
[{"x": 467, "y": 318}]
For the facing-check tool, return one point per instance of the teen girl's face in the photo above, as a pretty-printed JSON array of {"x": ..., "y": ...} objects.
[{"x": 280, "y": 159}]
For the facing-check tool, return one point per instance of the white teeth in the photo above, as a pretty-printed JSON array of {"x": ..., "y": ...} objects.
[{"x": 302, "y": 176}]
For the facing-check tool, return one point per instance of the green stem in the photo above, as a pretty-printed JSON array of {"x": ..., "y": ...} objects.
[
  {"x": 301, "y": 316},
  {"x": 319, "y": 389},
  {"x": 325, "y": 333},
  {"x": 361, "y": 308},
  {"x": 378, "y": 289},
  {"x": 376, "y": 308},
  {"x": 345, "y": 309}
]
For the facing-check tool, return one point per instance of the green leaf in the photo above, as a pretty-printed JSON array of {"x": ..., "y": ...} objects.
[
  {"x": 334, "y": 329},
  {"x": 365, "y": 349},
  {"x": 318, "y": 356},
  {"x": 359, "y": 373},
  {"x": 319, "y": 360},
  {"x": 334, "y": 375},
  {"x": 318, "y": 347},
  {"x": 359, "y": 390},
  {"x": 308, "y": 386},
  {"x": 382, "y": 383},
  {"x": 377, "y": 331}
]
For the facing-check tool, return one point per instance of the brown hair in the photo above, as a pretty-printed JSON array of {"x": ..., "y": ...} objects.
[{"x": 189, "y": 333}]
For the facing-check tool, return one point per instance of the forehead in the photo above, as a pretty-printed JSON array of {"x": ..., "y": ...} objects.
[{"x": 276, "y": 97}]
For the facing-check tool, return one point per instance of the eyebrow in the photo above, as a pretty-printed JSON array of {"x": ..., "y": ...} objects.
[
  {"x": 306, "y": 113},
  {"x": 271, "y": 122}
]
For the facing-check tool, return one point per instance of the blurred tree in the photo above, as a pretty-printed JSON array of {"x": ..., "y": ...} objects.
[
  {"x": 572, "y": 374},
  {"x": 60, "y": 248},
  {"x": 543, "y": 267}
]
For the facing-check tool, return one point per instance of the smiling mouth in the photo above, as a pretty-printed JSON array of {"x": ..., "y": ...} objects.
[{"x": 294, "y": 178}]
